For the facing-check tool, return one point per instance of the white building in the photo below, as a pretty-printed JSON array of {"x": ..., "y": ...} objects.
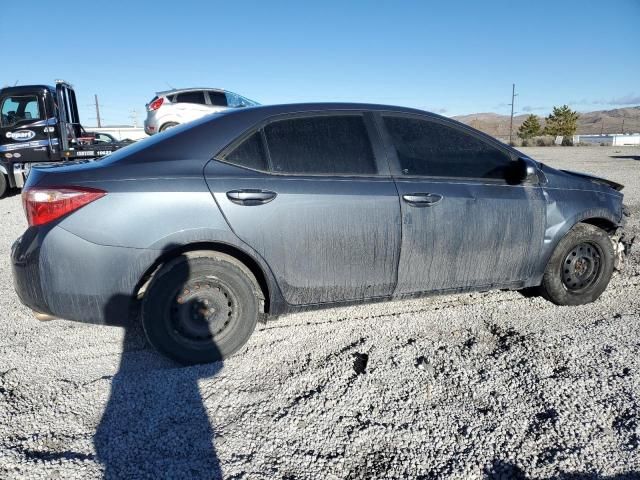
[{"x": 613, "y": 139}]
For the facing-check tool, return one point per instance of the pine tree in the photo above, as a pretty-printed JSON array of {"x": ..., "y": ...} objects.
[
  {"x": 563, "y": 121},
  {"x": 530, "y": 128}
]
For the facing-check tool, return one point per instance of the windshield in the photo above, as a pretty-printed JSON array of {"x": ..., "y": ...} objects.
[
  {"x": 237, "y": 101},
  {"x": 18, "y": 109}
]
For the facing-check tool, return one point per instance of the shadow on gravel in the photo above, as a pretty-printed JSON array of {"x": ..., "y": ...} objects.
[
  {"x": 155, "y": 424},
  {"x": 628, "y": 157},
  {"x": 501, "y": 469}
]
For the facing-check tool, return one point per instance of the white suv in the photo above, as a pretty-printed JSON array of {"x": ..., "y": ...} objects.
[{"x": 170, "y": 108}]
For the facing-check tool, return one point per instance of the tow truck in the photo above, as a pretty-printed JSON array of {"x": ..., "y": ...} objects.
[{"x": 40, "y": 124}]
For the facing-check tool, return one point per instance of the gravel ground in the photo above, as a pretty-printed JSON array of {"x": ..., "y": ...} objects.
[{"x": 492, "y": 385}]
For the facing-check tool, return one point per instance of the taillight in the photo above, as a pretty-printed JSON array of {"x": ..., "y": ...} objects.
[
  {"x": 43, "y": 205},
  {"x": 156, "y": 104}
]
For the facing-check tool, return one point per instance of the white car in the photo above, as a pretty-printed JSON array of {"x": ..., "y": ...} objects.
[{"x": 173, "y": 107}]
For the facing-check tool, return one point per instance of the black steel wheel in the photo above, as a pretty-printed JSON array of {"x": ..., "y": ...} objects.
[
  {"x": 202, "y": 310},
  {"x": 201, "y": 307},
  {"x": 580, "y": 267}
]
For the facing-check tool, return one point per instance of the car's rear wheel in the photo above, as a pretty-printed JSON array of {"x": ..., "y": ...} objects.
[
  {"x": 168, "y": 125},
  {"x": 580, "y": 267},
  {"x": 3, "y": 185},
  {"x": 201, "y": 307}
]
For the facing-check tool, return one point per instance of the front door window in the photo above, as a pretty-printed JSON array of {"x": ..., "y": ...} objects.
[{"x": 18, "y": 109}]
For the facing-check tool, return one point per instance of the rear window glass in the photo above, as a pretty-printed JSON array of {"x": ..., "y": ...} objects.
[
  {"x": 321, "y": 145},
  {"x": 249, "y": 154},
  {"x": 191, "y": 97},
  {"x": 237, "y": 101}
]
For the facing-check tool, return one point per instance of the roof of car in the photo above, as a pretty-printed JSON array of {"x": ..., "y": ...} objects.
[
  {"x": 261, "y": 112},
  {"x": 283, "y": 108},
  {"x": 194, "y": 89}
]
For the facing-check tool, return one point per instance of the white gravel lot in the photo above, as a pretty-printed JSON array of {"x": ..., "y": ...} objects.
[{"x": 492, "y": 385}]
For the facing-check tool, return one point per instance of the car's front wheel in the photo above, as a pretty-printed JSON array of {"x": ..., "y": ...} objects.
[
  {"x": 201, "y": 307},
  {"x": 580, "y": 267},
  {"x": 3, "y": 185}
]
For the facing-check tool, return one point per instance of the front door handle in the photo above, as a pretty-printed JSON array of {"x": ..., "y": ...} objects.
[
  {"x": 250, "y": 197},
  {"x": 422, "y": 199}
]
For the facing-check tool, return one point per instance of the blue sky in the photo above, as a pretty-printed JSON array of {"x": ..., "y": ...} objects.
[{"x": 452, "y": 57}]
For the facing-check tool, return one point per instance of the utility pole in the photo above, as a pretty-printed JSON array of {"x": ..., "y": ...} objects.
[
  {"x": 623, "y": 123},
  {"x": 95, "y": 96},
  {"x": 134, "y": 116},
  {"x": 602, "y": 127},
  {"x": 513, "y": 96}
]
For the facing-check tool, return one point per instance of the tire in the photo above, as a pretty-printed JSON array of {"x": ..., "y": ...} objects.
[
  {"x": 580, "y": 267},
  {"x": 3, "y": 185},
  {"x": 168, "y": 125},
  {"x": 201, "y": 307}
]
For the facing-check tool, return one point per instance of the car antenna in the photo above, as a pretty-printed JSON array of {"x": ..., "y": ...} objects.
[{"x": 170, "y": 86}]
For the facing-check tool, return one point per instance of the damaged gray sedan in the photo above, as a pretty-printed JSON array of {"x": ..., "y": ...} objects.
[{"x": 207, "y": 228}]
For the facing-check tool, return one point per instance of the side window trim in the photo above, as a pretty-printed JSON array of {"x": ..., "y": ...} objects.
[
  {"x": 394, "y": 162},
  {"x": 381, "y": 157},
  {"x": 382, "y": 173},
  {"x": 265, "y": 146}
]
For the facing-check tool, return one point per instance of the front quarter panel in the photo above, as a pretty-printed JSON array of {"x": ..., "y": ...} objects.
[{"x": 570, "y": 200}]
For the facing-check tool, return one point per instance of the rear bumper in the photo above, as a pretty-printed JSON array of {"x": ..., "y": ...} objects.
[
  {"x": 150, "y": 127},
  {"x": 58, "y": 273}
]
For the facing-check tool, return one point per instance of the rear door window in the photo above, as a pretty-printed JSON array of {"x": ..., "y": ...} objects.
[
  {"x": 218, "y": 99},
  {"x": 191, "y": 97},
  {"x": 249, "y": 154},
  {"x": 322, "y": 145},
  {"x": 430, "y": 148}
]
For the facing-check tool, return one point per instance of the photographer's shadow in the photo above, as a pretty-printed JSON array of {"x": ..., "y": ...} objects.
[{"x": 155, "y": 424}]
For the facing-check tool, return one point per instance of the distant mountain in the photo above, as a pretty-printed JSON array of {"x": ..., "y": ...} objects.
[{"x": 602, "y": 121}]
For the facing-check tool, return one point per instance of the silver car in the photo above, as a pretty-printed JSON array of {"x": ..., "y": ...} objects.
[{"x": 173, "y": 107}]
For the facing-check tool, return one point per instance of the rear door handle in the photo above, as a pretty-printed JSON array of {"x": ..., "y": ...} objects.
[
  {"x": 250, "y": 197},
  {"x": 422, "y": 199}
]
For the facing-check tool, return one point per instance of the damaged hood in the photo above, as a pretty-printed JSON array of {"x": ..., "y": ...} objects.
[{"x": 600, "y": 180}]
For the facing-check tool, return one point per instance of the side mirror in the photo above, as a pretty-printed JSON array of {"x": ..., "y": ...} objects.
[
  {"x": 529, "y": 171},
  {"x": 522, "y": 171}
]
